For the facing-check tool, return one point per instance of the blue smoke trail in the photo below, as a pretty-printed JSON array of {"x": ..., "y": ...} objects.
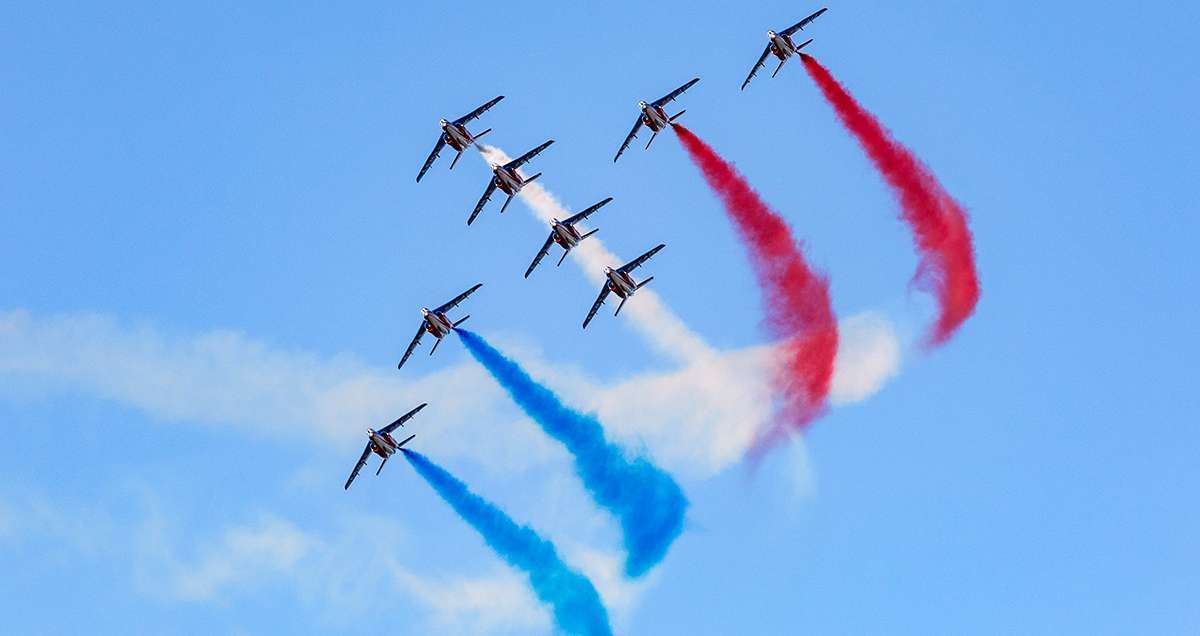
[
  {"x": 645, "y": 500},
  {"x": 575, "y": 602}
]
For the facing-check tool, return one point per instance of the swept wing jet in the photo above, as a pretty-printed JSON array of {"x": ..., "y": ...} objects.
[
  {"x": 455, "y": 134},
  {"x": 435, "y": 322},
  {"x": 621, "y": 283},
  {"x": 566, "y": 235},
  {"x": 654, "y": 117},
  {"x": 508, "y": 180},
  {"x": 383, "y": 444},
  {"x": 782, "y": 46}
]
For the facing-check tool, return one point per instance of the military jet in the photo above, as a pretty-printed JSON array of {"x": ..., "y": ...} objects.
[
  {"x": 508, "y": 179},
  {"x": 565, "y": 234},
  {"x": 781, "y": 46},
  {"x": 383, "y": 444},
  {"x": 621, "y": 283},
  {"x": 435, "y": 322},
  {"x": 654, "y": 117},
  {"x": 456, "y": 135}
]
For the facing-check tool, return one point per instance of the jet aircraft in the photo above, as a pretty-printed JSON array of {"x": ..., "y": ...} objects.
[
  {"x": 456, "y": 135},
  {"x": 383, "y": 444},
  {"x": 565, "y": 234},
  {"x": 654, "y": 117},
  {"x": 782, "y": 46},
  {"x": 621, "y": 283},
  {"x": 435, "y": 322},
  {"x": 508, "y": 180}
]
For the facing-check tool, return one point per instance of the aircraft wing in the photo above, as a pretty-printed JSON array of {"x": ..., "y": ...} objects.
[
  {"x": 588, "y": 212},
  {"x": 675, "y": 93},
  {"x": 413, "y": 345},
  {"x": 596, "y": 305},
  {"x": 803, "y": 23},
  {"x": 523, "y": 159},
  {"x": 757, "y": 65},
  {"x": 457, "y": 299},
  {"x": 403, "y": 418},
  {"x": 541, "y": 254},
  {"x": 635, "y": 263},
  {"x": 487, "y": 194},
  {"x": 357, "y": 467},
  {"x": 632, "y": 133},
  {"x": 441, "y": 143},
  {"x": 477, "y": 112}
]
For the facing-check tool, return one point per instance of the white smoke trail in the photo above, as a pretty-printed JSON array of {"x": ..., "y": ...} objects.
[{"x": 661, "y": 328}]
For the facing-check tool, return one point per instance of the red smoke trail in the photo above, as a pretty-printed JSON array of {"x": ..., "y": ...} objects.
[
  {"x": 939, "y": 225},
  {"x": 797, "y": 298}
]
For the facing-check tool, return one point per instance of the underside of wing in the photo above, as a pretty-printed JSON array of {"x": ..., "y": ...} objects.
[
  {"x": 675, "y": 93},
  {"x": 635, "y": 263},
  {"x": 358, "y": 466},
  {"x": 541, "y": 254},
  {"x": 437, "y": 148},
  {"x": 803, "y": 23},
  {"x": 412, "y": 345},
  {"x": 402, "y": 419},
  {"x": 487, "y": 194},
  {"x": 629, "y": 138},
  {"x": 478, "y": 111},
  {"x": 586, "y": 213},
  {"x": 596, "y": 305},
  {"x": 523, "y": 159},
  {"x": 757, "y": 65},
  {"x": 458, "y": 299}
]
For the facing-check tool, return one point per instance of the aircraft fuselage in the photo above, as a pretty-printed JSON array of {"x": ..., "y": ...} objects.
[
  {"x": 782, "y": 46},
  {"x": 382, "y": 444},
  {"x": 654, "y": 117},
  {"x": 566, "y": 235},
  {"x": 508, "y": 180},
  {"x": 437, "y": 324},
  {"x": 457, "y": 136},
  {"x": 620, "y": 283}
]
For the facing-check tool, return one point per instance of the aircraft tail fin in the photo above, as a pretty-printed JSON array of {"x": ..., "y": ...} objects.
[
  {"x": 645, "y": 282},
  {"x": 677, "y": 115},
  {"x": 435, "y": 344},
  {"x": 381, "y": 465},
  {"x": 456, "y": 158},
  {"x": 462, "y": 320},
  {"x": 490, "y": 130},
  {"x": 618, "y": 311},
  {"x": 651, "y": 140},
  {"x": 506, "y": 202}
]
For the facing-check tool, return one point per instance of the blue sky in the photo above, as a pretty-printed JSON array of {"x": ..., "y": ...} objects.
[{"x": 214, "y": 252}]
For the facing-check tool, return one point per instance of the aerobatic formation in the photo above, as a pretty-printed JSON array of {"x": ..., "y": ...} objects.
[{"x": 798, "y": 314}]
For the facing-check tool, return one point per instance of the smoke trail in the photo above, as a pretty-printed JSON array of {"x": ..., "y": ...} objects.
[
  {"x": 575, "y": 603},
  {"x": 645, "y": 500},
  {"x": 798, "y": 311},
  {"x": 938, "y": 222},
  {"x": 661, "y": 328}
]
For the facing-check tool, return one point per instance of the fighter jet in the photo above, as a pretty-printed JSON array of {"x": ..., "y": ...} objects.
[
  {"x": 565, "y": 234},
  {"x": 781, "y": 46},
  {"x": 508, "y": 179},
  {"x": 620, "y": 282},
  {"x": 455, "y": 133},
  {"x": 383, "y": 444},
  {"x": 654, "y": 117},
  {"x": 436, "y": 323}
]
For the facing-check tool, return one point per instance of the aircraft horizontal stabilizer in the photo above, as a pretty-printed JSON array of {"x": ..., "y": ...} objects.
[
  {"x": 462, "y": 320},
  {"x": 677, "y": 115},
  {"x": 645, "y": 282},
  {"x": 490, "y": 130}
]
